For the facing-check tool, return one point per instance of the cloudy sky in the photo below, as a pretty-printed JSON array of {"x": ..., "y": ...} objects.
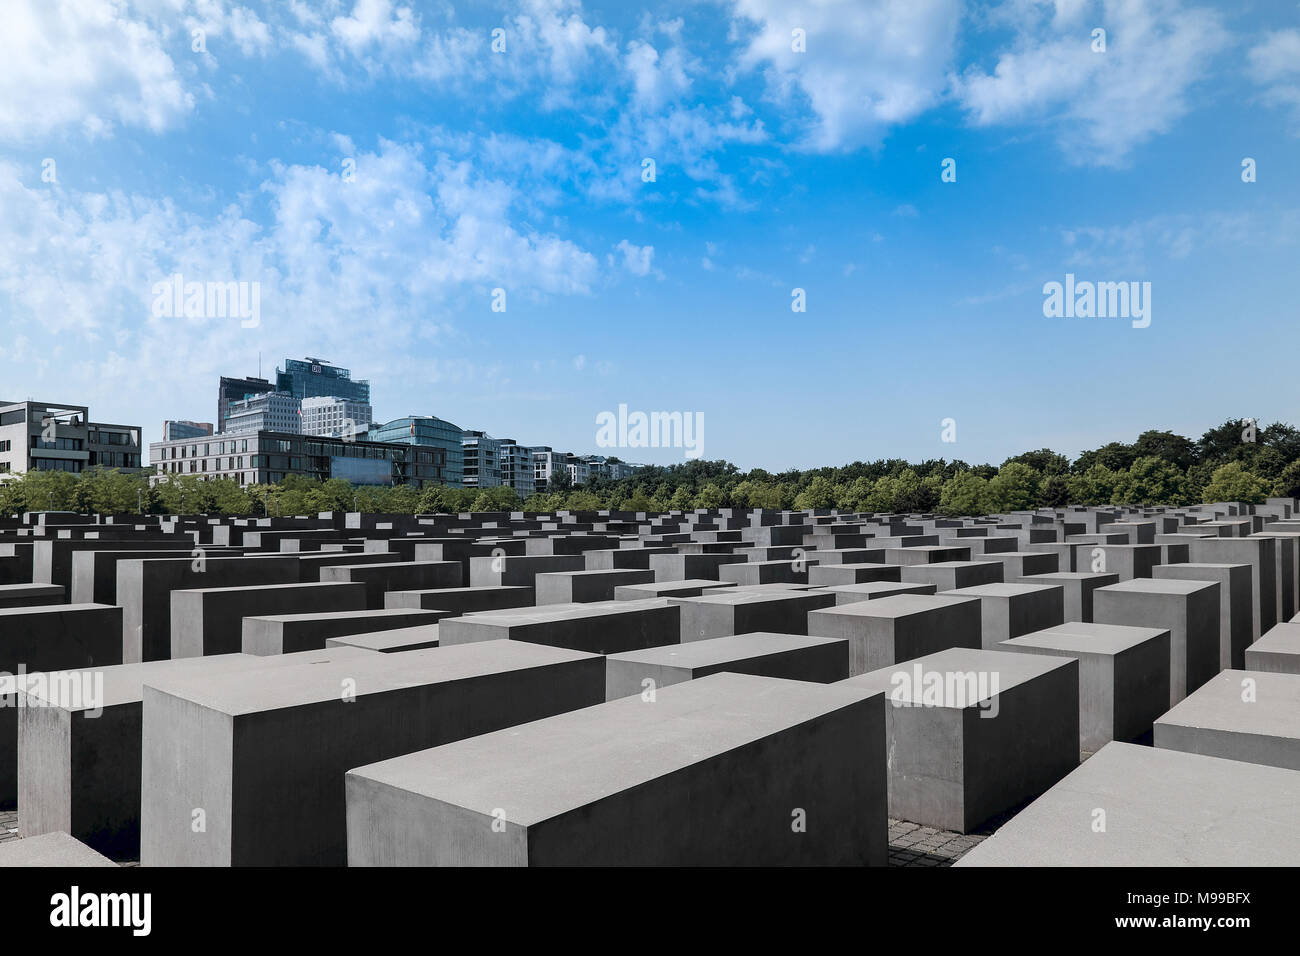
[{"x": 380, "y": 168}]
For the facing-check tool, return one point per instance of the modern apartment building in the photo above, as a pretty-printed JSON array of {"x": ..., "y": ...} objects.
[
  {"x": 334, "y": 417},
  {"x": 312, "y": 377},
  {"x": 267, "y": 412},
  {"x": 516, "y": 465},
  {"x": 47, "y": 437},
  {"x": 428, "y": 432},
  {"x": 482, "y": 455},
  {"x": 265, "y": 457}
]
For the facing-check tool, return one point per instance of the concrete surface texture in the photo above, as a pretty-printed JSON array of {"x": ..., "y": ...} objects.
[{"x": 643, "y": 783}]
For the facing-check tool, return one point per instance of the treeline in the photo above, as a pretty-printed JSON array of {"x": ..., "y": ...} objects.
[{"x": 1235, "y": 461}]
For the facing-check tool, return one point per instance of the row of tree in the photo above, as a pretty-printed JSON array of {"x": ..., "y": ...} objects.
[{"x": 1236, "y": 461}]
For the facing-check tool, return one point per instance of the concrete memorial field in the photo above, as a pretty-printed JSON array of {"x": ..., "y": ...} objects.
[{"x": 717, "y": 687}]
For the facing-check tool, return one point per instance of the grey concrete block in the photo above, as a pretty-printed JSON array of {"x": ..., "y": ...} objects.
[
  {"x": 691, "y": 587},
  {"x": 1010, "y": 610},
  {"x": 829, "y": 575},
  {"x": 1234, "y": 582},
  {"x": 603, "y": 628},
  {"x": 1188, "y": 610},
  {"x": 895, "y": 629},
  {"x": 950, "y": 575},
  {"x": 1159, "y": 808},
  {"x": 144, "y": 589},
  {"x": 390, "y": 642},
  {"x": 766, "y": 654},
  {"x": 47, "y": 638},
  {"x": 461, "y": 600},
  {"x": 872, "y": 590},
  {"x": 681, "y": 567},
  {"x": 275, "y": 744},
  {"x": 79, "y": 745},
  {"x": 632, "y": 783},
  {"x": 1020, "y": 564},
  {"x": 1278, "y": 651},
  {"x": 739, "y": 611},
  {"x": 584, "y": 587},
  {"x": 767, "y": 572},
  {"x": 30, "y": 595},
  {"x": 1253, "y": 716},
  {"x": 1261, "y": 555},
  {"x": 51, "y": 849},
  {"x": 287, "y": 633},
  {"x": 520, "y": 570},
  {"x": 1076, "y": 588},
  {"x": 1123, "y": 676},
  {"x": 395, "y": 576},
  {"x": 972, "y": 733},
  {"x": 210, "y": 620}
]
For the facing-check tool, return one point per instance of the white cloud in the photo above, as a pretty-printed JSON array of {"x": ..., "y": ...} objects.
[
  {"x": 867, "y": 66},
  {"x": 1101, "y": 104},
  {"x": 637, "y": 260},
  {"x": 84, "y": 63},
  {"x": 383, "y": 256},
  {"x": 242, "y": 25},
  {"x": 656, "y": 79},
  {"x": 1274, "y": 63},
  {"x": 375, "y": 23}
]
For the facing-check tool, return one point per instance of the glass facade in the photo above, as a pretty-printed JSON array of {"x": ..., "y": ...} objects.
[
  {"x": 433, "y": 436},
  {"x": 273, "y": 455},
  {"x": 311, "y": 377}
]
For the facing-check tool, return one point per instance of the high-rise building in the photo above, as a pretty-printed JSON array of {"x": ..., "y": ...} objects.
[
  {"x": 312, "y": 377},
  {"x": 232, "y": 390},
  {"x": 482, "y": 460},
  {"x": 441, "y": 438},
  {"x": 267, "y": 412},
  {"x": 177, "y": 430},
  {"x": 44, "y": 437},
  {"x": 335, "y": 417}
]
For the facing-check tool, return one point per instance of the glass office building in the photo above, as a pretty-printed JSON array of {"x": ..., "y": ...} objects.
[
  {"x": 431, "y": 434},
  {"x": 311, "y": 377}
]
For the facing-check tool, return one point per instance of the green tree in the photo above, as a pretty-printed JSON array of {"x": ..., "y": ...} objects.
[
  {"x": 1175, "y": 449},
  {"x": 1014, "y": 487},
  {"x": 582, "y": 500},
  {"x": 965, "y": 493},
  {"x": 1232, "y": 482},
  {"x": 1096, "y": 486},
  {"x": 1151, "y": 481},
  {"x": 710, "y": 496}
]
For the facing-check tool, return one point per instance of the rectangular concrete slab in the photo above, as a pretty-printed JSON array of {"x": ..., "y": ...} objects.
[
  {"x": 973, "y": 733},
  {"x": 1158, "y": 808},
  {"x": 893, "y": 629},
  {"x": 287, "y": 633},
  {"x": 766, "y": 654},
  {"x": 1123, "y": 676},
  {"x": 1238, "y": 715},
  {"x": 263, "y": 753},
  {"x": 644, "y": 784}
]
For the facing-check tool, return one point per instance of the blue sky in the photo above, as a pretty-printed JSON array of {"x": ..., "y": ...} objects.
[{"x": 469, "y": 170}]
